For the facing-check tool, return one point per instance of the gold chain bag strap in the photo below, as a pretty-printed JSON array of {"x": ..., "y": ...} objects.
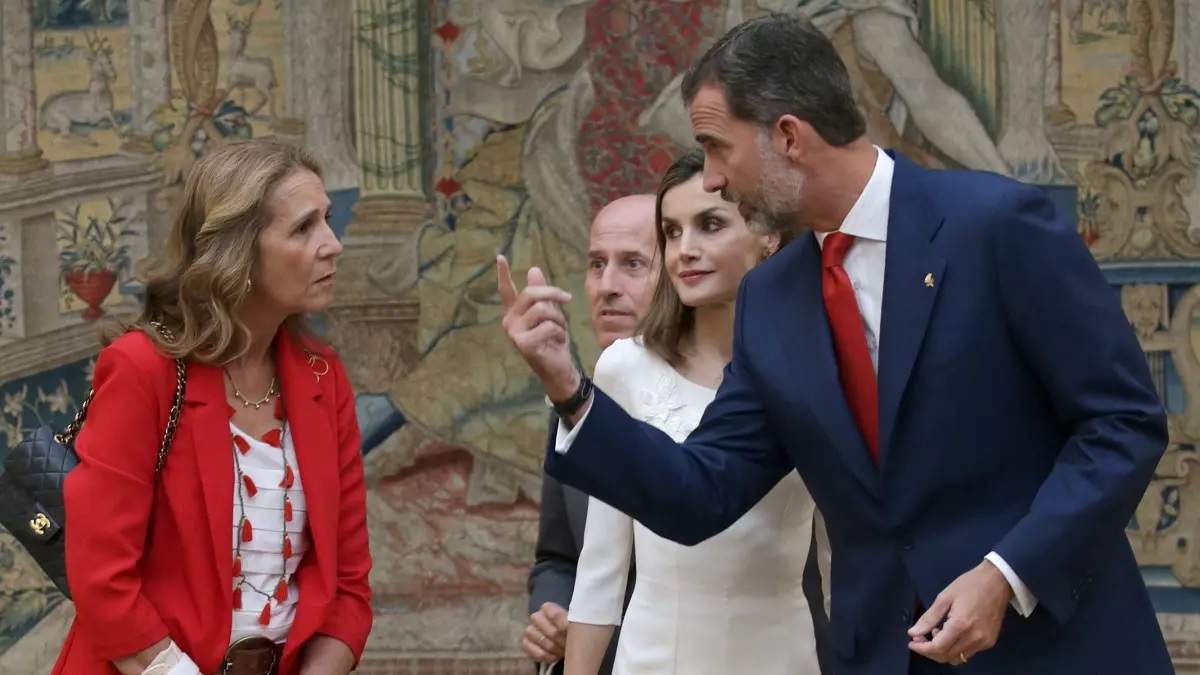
[{"x": 31, "y": 499}]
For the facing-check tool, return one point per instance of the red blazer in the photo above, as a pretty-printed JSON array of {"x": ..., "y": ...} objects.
[{"x": 148, "y": 558}]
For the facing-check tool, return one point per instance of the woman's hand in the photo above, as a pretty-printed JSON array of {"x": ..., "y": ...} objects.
[{"x": 139, "y": 662}]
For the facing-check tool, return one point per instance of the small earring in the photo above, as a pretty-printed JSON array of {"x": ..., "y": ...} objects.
[{"x": 249, "y": 284}]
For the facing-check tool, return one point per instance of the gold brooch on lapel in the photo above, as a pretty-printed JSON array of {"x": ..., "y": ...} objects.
[
  {"x": 929, "y": 280},
  {"x": 315, "y": 358}
]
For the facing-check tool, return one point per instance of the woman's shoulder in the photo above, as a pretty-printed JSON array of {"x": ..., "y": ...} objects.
[
  {"x": 625, "y": 353},
  {"x": 137, "y": 347},
  {"x": 634, "y": 365},
  {"x": 130, "y": 358}
]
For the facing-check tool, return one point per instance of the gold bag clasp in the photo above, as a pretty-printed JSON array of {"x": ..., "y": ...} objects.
[{"x": 39, "y": 524}]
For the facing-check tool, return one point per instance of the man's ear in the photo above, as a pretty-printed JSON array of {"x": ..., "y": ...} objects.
[{"x": 794, "y": 136}]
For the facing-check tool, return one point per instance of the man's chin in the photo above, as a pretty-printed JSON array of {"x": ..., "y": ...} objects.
[
  {"x": 764, "y": 223},
  {"x": 610, "y": 330},
  {"x": 760, "y": 221},
  {"x": 747, "y": 211}
]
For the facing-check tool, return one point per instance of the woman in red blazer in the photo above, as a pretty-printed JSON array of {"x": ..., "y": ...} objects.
[{"x": 247, "y": 554}]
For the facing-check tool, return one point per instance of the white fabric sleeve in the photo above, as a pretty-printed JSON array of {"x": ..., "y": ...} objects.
[
  {"x": 172, "y": 661},
  {"x": 603, "y": 569}
]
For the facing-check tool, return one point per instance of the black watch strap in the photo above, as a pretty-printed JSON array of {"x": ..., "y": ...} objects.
[{"x": 572, "y": 405}]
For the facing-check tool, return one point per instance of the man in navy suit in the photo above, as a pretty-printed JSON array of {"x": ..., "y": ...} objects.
[{"x": 940, "y": 358}]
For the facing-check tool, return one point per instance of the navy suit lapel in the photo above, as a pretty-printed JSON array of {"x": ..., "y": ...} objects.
[
  {"x": 814, "y": 371},
  {"x": 913, "y": 275}
]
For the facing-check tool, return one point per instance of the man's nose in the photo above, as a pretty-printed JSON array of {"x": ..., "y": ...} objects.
[{"x": 713, "y": 180}]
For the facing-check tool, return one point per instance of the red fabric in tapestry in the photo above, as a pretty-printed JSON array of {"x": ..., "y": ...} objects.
[{"x": 634, "y": 55}]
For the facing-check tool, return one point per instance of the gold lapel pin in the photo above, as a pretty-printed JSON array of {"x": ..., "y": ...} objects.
[
  {"x": 929, "y": 280},
  {"x": 315, "y": 358}
]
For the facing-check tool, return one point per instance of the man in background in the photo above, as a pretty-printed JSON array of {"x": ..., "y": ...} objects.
[{"x": 622, "y": 270}]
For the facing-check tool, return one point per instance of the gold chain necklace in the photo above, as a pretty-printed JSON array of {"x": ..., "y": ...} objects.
[{"x": 272, "y": 394}]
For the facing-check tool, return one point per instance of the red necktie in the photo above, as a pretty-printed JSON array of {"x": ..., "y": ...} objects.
[{"x": 850, "y": 340}]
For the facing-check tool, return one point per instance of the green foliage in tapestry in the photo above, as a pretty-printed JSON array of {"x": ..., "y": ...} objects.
[{"x": 94, "y": 246}]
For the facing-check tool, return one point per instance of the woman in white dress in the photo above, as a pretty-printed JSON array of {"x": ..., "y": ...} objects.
[{"x": 734, "y": 603}]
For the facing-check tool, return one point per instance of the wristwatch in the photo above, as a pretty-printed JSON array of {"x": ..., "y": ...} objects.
[{"x": 569, "y": 407}]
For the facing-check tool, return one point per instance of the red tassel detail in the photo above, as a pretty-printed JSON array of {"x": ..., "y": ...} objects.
[
  {"x": 289, "y": 478},
  {"x": 264, "y": 618},
  {"x": 237, "y": 598},
  {"x": 251, "y": 488},
  {"x": 237, "y": 567},
  {"x": 274, "y": 438},
  {"x": 241, "y": 444},
  {"x": 287, "y": 547},
  {"x": 247, "y": 530},
  {"x": 279, "y": 409},
  {"x": 281, "y": 591},
  {"x": 287, "y": 509}
]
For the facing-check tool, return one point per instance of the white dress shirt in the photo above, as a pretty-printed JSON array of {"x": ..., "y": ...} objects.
[{"x": 867, "y": 221}]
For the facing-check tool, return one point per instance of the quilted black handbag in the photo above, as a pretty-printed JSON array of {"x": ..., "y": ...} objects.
[{"x": 31, "y": 486}]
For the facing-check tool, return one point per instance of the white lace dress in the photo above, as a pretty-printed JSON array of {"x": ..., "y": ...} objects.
[{"x": 731, "y": 604}]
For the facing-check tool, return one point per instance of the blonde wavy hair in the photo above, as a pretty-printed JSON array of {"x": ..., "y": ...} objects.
[{"x": 196, "y": 289}]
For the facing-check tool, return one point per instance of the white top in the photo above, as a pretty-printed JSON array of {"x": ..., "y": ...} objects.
[
  {"x": 262, "y": 562},
  {"x": 864, "y": 264},
  {"x": 732, "y": 604},
  {"x": 262, "y": 556}
]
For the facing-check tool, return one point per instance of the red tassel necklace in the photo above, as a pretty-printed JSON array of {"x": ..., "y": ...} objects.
[{"x": 247, "y": 489}]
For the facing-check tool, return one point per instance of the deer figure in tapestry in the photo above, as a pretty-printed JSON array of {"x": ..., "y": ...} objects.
[
  {"x": 91, "y": 106},
  {"x": 255, "y": 73}
]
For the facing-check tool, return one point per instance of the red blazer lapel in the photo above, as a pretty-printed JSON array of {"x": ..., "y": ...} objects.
[
  {"x": 205, "y": 400},
  {"x": 308, "y": 416}
]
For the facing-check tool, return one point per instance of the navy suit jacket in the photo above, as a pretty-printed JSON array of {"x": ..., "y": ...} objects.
[{"x": 1016, "y": 414}]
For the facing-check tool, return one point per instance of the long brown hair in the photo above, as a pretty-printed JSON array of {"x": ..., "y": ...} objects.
[
  {"x": 196, "y": 289},
  {"x": 669, "y": 321}
]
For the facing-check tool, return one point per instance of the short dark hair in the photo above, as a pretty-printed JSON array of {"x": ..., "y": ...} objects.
[{"x": 781, "y": 64}]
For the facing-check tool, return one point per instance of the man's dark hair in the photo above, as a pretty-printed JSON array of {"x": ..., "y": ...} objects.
[{"x": 781, "y": 64}]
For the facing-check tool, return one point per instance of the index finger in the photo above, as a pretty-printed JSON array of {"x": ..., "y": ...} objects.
[
  {"x": 941, "y": 643},
  {"x": 504, "y": 283},
  {"x": 931, "y": 619}
]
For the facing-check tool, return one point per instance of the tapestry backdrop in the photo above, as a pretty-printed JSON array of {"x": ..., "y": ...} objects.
[{"x": 455, "y": 129}]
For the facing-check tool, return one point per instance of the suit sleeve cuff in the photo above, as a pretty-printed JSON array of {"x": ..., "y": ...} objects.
[
  {"x": 1023, "y": 599},
  {"x": 564, "y": 437}
]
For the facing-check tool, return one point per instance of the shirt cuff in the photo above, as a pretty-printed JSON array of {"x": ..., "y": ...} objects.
[
  {"x": 172, "y": 661},
  {"x": 564, "y": 437},
  {"x": 1023, "y": 599}
]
